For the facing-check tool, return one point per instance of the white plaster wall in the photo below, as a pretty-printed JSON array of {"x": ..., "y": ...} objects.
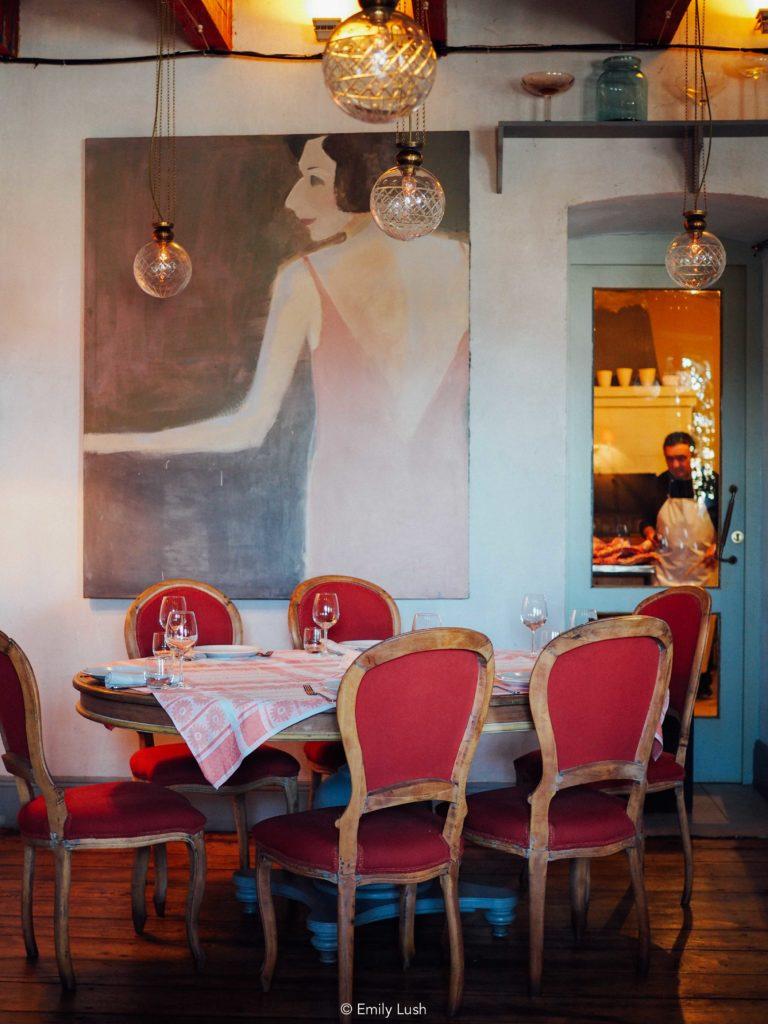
[{"x": 518, "y": 310}]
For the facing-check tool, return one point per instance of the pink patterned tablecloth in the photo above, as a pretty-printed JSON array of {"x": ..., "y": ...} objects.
[{"x": 226, "y": 709}]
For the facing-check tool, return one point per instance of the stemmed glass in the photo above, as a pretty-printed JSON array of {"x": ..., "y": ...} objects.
[
  {"x": 181, "y": 635},
  {"x": 581, "y": 616},
  {"x": 533, "y": 615},
  {"x": 426, "y": 620},
  {"x": 547, "y": 84},
  {"x": 325, "y": 612},
  {"x": 171, "y": 603}
]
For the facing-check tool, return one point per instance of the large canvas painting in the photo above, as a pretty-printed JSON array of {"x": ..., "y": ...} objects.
[{"x": 302, "y": 407}]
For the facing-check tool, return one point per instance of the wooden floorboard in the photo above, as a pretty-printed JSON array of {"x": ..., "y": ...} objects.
[{"x": 708, "y": 966}]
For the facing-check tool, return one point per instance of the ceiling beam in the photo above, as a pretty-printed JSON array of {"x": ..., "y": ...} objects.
[
  {"x": 437, "y": 15},
  {"x": 9, "y": 28},
  {"x": 656, "y": 21},
  {"x": 206, "y": 24}
]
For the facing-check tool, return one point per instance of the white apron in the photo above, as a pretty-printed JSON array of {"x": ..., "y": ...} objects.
[{"x": 686, "y": 531}]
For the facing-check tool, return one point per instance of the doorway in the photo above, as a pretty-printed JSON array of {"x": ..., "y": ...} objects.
[{"x": 672, "y": 365}]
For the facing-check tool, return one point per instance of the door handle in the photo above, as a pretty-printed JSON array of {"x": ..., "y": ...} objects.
[{"x": 723, "y": 539}]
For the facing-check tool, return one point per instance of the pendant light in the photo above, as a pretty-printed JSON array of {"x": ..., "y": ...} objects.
[
  {"x": 408, "y": 201},
  {"x": 162, "y": 267},
  {"x": 379, "y": 64},
  {"x": 696, "y": 258}
]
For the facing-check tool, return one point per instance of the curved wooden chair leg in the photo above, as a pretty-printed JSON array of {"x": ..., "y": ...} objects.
[
  {"x": 27, "y": 902},
  {"x": 268, "y": 923},
  {"x": 138, "y": 888},
  {"x": 685, "y": 835},
  {"x": 641, "y": 903},
  {"x": 407, "y": 922},
  {"x": 537, "y": 890},
  {"x": 345, "y": 925},
  {"x": 160, "y": 856},
  {"x": 579, "y": 879},
  {"x": 240, "y": 812},
  {"x": 450, "y": 886},
  {"x": 291, "y": 787},
  {"x": 63, "y": 861},
  {"x": 197, "y": 868}
]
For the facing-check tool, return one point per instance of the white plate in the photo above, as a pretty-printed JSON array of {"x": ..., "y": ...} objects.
[
  {"x": 224, "y": 652},
  {"x": 359, "y": 645},
  {"x": 515, "y": 677}
]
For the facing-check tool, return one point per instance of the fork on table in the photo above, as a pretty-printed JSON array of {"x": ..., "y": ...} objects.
[{"x": 310, "y": 692}]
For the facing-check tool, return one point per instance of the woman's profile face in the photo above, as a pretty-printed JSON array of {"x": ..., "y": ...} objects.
[{"x": 313, "y": 199}]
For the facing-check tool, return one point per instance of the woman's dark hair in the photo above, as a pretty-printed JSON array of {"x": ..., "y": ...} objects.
[
  {"x": 360, "y": 158},
  {"x": 679, "y": 437}
]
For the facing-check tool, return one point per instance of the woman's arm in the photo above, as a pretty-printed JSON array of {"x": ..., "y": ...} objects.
[{"x": 294, "y": 317}]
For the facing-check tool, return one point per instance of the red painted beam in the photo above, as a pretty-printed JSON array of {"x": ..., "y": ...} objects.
[
  {"x": 206, "y": 24},
  {"x": 656, "y": 21},
  {"x": 9, "y": 27}
]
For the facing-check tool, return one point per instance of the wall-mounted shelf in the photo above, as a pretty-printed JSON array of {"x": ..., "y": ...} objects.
[{"x": 619, "y": 130}]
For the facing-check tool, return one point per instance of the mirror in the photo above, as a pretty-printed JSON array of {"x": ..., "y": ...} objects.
[{"x": 656, "y": 440}]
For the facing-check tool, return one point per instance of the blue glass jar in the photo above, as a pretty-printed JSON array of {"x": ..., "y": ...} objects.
[{"x": 622, "y": 90}]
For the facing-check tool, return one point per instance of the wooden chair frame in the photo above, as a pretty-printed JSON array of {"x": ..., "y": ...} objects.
[
  {"x": 129, "y": 628},
  {"x": 317, "y": 581},
  {"x": 364, "y": 800},
  {"x": 316, "y": 773},
  {"x": 537, "y": 853},
  {"x": 237, "y": 794},
  {"x": 33, "y": 773},
  {"x": 705, "y": 604}
]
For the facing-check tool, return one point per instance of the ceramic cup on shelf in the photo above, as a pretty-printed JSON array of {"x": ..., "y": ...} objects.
[
  {"x": 604, "y": 378},
  {"x": 647, "y": 376},
  {"x": 624, "y": 376}
]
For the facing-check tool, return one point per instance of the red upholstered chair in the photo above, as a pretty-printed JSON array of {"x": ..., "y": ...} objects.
[
  {"x": 596, "y": 695},
  {"x": 173, "y": 764},
  {"x": 401, "y": 753},
  {"x": 104, "y": 816},
  {"x": 686, "y": 612},
  {"x": 367, "y": 612}
]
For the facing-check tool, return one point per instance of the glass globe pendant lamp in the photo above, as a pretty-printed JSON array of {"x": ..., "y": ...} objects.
[
  {"x": 162, "y": 267},
  {"x": 407, "y": 201},
  {"x": 379, "y": 65},
  {"x": 696, "y": 258}
]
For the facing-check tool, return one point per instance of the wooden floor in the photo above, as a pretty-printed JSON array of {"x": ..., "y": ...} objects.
[{"x": 708, "y": 966}]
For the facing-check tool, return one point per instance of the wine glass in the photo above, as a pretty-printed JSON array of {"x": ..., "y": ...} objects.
[
  {"x": 533, "y": 615},
  {"x": 547, "y": 84},
  {"x": 181, "y": 635},
  {"x": 171, "y": 603},
  {"x": 426, "y": 620},
  {"x": 325, "y": 613},
  {"x": 581, "y": 616}
]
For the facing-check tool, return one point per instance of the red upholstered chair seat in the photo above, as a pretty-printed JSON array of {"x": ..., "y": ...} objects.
[
  {"x": 395, "y": 840},
  {"x": 173, "y": 764},
  {"x": 325, "y": 756},
  {"x": 664, "y": 769},
  {"x": 115, "y": 810},
  {"x": 578, "y": 817}
]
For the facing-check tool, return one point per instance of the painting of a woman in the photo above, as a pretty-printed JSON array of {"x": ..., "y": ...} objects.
[{"x": 386, "y": 326}]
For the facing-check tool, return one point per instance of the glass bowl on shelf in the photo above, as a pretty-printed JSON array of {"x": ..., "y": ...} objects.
[{"x": 545, "y": 85}]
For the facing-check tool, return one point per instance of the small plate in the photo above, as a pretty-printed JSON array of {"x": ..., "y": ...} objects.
[
  {"x": 359, "y": 645},
  {"x": 227, "y": 652},
  {"x": 515, "y": 677}
]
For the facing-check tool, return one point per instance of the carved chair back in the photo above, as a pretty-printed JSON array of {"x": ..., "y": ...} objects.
[
  {"x": 410, "y": 712},
  {"x": 22, "y": 735},
  {"x": 218, "y": 620},
  {"x": 686, "y": 610},
  {"x": 367, "y": 612},
  {"x": 596, "y": 696}
]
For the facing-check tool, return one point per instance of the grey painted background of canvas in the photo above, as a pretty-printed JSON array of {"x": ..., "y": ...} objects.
[{"x": 236, "y": 520}]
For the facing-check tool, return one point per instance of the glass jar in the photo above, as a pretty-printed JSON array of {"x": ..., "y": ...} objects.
[{"x": 622, "y": 90}]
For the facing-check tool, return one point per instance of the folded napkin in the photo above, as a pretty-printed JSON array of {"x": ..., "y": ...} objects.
[
  {"x": 120, "y": 677},
  {"x": 334, "y": 648}
]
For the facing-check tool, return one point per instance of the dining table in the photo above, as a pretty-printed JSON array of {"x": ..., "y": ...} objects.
[{"x": 226, "y": 708}]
